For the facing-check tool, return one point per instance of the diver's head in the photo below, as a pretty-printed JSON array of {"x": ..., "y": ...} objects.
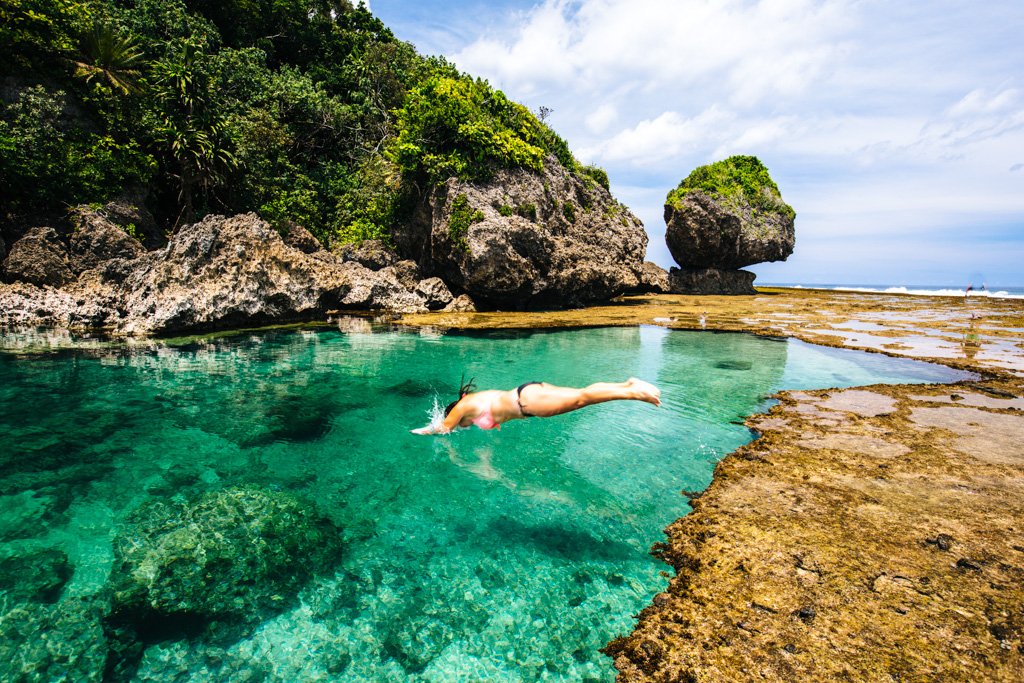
[{"x": 464, "y": 388}]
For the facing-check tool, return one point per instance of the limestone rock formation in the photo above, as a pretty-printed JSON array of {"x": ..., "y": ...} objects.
[
  {"x": 217, "y": 273},
  {"x": 373, "y": 254},
  {"x": 724, "y": 217},
  {"x": 38, "y": 258},
  {"x": 653, "y": 279},
  {"x": 527, "y": 239},
  {"x": 298, "y": 237},
  {"x": 711, "y": 281},
  {"x": 223, "y": 272},
  {"x": 96, "y": 240}
]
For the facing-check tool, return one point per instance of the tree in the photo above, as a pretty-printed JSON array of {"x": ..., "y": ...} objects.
[{"x": 110, "y": 57}]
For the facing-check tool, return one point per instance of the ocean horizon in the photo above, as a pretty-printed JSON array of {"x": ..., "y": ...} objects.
[{"x": 994, "y": 292}]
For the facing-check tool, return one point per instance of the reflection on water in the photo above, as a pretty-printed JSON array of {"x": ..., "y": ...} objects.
[{"x": 505, "y": 555}]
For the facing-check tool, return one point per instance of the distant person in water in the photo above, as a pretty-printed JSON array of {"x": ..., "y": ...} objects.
[{"x": 492, "y": 408}]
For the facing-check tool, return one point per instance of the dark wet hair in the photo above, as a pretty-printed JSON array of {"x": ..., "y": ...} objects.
[{"x": 464, "y": 388}]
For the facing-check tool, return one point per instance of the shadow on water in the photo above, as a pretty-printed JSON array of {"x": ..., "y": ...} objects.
[{"x": 558, "y": 541}]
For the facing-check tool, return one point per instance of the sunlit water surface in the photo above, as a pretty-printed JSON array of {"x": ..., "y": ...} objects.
[{"x": 503, "y": 555}]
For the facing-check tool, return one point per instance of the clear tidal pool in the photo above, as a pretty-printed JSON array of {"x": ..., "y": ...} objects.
[{"x": 508, "y": 555}]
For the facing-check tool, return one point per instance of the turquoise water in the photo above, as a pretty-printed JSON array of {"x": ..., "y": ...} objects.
[{"x": 508, "y": 555}]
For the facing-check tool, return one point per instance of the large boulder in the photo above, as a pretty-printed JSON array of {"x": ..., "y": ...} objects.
[
  {"x": 223, "y": 272},
  {"x": 527, "y": 239},
  {"x": 388, "y": 289},
  {"x": 96, "y": 239},
  {"x": 653, "y": 279},
  {"x": 726, "y": 216},
  {"x": 297, "y": 236},
  {"x": 38, "y": 258},
  {"x": 128, "y": 211},
  {"x": 234, "y": 555}
]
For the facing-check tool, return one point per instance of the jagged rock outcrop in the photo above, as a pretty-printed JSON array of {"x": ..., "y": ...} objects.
[
  {"x": 128, "y": 212},
  {"x": 298, "y": 237},
  {"x": 724, "y": 217},
  {"x": 217, "y": 273},
  {"x": 527, "y": 239},
  {"x": 373, "y": 254},
  {"x": 96, "y": 240},
  {"x": 39, "y": 258},
  {"x": 653, "y": 279},
  {"x": 223, "y": 272}
]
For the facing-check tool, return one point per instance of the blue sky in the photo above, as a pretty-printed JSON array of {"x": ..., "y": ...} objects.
[{"x": 895, "y": 129}]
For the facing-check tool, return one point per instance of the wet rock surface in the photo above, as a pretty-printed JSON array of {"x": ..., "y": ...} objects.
[{"x": 528, "y": 240}]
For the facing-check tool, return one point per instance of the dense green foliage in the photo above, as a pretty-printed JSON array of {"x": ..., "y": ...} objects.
[
  {"x": 462, "y": 216},
  {"x": 739, "y": 179},
  {"x": 311, "y": 112}
]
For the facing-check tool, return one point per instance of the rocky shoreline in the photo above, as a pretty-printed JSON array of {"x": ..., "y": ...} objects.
[{"x": 871, "y": 534}]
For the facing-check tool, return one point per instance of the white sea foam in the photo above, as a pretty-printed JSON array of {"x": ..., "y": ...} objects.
[{"x": 916, "y": 291}]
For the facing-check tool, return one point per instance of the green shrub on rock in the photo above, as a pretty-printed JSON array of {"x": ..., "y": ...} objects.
[{"x": 736, "y": 179}]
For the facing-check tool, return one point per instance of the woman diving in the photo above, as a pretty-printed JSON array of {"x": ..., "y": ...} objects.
[{"x": 492, "y": 408}]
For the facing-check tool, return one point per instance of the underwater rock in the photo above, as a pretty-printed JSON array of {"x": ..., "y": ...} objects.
[
  {"x": 38, "y": 576},
  {"x": 61, "y": 642},
  {"x": 38, "y": 258},
  {"x": 234, "y": 555},
  {"x": 526, "y": 239},
  {"x": 726, "y": 216}
]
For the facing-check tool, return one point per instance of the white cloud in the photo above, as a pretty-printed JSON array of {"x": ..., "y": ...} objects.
[
  {"x": 878, "y": 120},
  {"x": 602, "y": 117}
]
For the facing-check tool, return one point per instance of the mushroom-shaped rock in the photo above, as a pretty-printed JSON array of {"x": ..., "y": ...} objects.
[{"x": 726, "y": 216}]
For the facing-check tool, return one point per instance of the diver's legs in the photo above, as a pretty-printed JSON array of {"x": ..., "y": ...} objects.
[{"x": 547, "y": 400}]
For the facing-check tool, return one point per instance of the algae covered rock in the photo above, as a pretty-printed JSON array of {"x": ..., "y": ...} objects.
[
  {"x": 60, "y": 642},
  {"x": 233, "y": 555},
  {"x": 726, "y": 216}
]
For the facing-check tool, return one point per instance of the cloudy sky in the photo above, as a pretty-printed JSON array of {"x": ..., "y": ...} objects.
[{"x": 895, "y": 128}]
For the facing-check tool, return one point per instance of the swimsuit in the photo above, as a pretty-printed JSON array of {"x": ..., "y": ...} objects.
[
  {"x": 519, "y": 398},
  {"x": 485, "y": 420}
]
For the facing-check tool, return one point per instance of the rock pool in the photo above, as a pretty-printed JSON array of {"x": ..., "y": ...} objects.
[{"x": 252, "y": 507}]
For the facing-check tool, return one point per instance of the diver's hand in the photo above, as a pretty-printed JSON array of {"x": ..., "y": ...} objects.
[{"x": 429, "y": 429}]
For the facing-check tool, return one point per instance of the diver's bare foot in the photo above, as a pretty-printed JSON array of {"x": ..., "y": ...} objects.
[{"x": 646, "y": 391}]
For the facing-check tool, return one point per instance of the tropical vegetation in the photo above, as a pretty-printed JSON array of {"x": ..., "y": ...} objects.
[{"x": 310, "y": 111}]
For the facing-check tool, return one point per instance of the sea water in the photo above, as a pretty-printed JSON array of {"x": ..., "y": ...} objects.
[{"x": 505, "y": 555}]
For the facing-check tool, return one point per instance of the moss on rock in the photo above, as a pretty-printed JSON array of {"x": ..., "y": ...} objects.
[{"x": 736, "y": 179}]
